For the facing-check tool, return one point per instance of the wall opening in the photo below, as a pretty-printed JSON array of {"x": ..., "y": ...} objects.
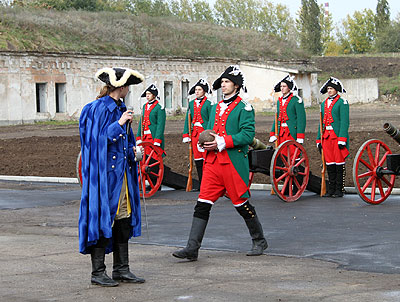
[
  {"x": 61, "y": 99},
  {"x": 41, "y": 97},
  {"x": 168, "y": 95},
  {"x": 185, "y": 93}
]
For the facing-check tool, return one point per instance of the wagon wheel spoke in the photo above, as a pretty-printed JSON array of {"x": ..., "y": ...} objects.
[
  {"x": 380, "y": 187},
  {"x": 154, "y": 164},
  {"x": 154, "y": 174},
  {"x": 149, "y": 157},
  {"x": 284, "y": 160},
  {"x": 383, "y": 159},
  {"x": 373, "y": 188},
  {"x": 366, "y": 164},
  {"x": 281, "y": 168},
  {"x": 281, "y": 177},
  {"x": 294, "y": 156},
  {"x": 300, "y": 162},
  {"x": 367, "y": 183},
  {"x": 386, "y": 181},
  {"x": 150, "y": 181},
  {"x": 377, "y": 151},
  {"x": 302, "y": 173},
  {"x": 290, "y": 186},
  {"x": 284, "y": 186},
  {"x": 366, "y": 174},
  {"x": 370, "y": 156},
  {"x": 296, "y": 183}
]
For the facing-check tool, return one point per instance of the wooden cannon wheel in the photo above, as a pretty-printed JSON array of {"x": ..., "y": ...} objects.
[
  {"x": 289, "y": 171},
  {"x": 371, "y": 184},
  {"x": 151, "y": 169}
]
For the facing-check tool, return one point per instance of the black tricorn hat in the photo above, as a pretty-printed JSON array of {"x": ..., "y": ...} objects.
[
  {"x": 234, "y": 74},
  {"x": 152, "y": 89},
  {"x": 203, "y": 84},
  {"x": 289, "y": 81},
  {"x": 119, "y": 77},
  {"x": 334, "y": 83}
]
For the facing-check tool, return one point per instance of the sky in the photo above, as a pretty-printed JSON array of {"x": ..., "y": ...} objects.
[{"x": 340, "y": 8}]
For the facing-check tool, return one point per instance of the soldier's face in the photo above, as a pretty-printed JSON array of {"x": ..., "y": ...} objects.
[
  {"x": 124, "y": 91},
  {"x": 228, "y": 87},
  {"x": 150, "y": 96},
  {"x": 331, "y": 91},
  {"x": 199, "y": 92},
  {"x": 284, "y": 88}
]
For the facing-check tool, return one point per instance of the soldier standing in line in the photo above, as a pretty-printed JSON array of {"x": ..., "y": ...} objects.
[
  {"x": 152, "y": 121},
  {"x": 335, "y": 135},
  {"x": 226, "y": 166},
  {"x": 199, "y": 109}
]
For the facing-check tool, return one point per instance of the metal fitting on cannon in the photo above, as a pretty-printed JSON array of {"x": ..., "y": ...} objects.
[{"x": 392, "y": 131}]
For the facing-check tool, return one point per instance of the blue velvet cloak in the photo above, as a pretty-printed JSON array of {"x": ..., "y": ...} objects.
[{"x": 106, "y": 155}]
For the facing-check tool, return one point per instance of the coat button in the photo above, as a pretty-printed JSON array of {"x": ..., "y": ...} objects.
[
  {"x": 120, "y": 135},
  {"x": 112, "y": 166},
  {"x": 124, "y": 157},
  {"x": 114, "y": 157},
  {"x": 114, "y": 139}
]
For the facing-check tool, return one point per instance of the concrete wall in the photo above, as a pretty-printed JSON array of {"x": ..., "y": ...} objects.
[
  {"x": 20, "y": 73},
  {"x": 361, "y": 90}
]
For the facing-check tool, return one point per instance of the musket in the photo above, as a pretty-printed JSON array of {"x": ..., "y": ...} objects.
[
  {"x": 323, "y": 182},
  {"x": 189, "y": 184},
  {"x": 276, "y": 132}
]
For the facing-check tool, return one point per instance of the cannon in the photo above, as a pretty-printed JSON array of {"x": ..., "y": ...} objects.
[
  {"x": 288, "y": 167},
  {"x": 375, "y": 168},
  {"x": 152, "y": 172}
]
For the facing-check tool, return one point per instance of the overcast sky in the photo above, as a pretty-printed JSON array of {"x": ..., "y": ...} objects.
[{"x": 340, "y": 8}]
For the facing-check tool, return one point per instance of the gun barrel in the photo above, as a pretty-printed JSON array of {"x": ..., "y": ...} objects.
[
  {"x": 258, "y": 145},
  {"x": 392, "y": 131}
]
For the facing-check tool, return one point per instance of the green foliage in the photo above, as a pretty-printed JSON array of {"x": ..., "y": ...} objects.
[
  {"x": 309, "y": 27},
  {"x": 326, "y": 23},
  {"x": 389, "y": 85},
  {"x": 382, "y": 18},
  {"x": 389, "y": 38},
  {"x": 360, "y": 30}
]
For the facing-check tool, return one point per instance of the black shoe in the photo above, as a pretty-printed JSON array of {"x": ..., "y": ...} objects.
[
  {"x": 121, "y": 270},
  {"x": 257, "y": 236},
  {"x": 99, "y": 275}
]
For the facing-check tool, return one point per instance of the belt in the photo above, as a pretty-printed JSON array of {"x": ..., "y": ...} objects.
[
  {"x": 146, "y": 132},
  {"x": 328, "y": 128},
  {"x": 283, "y": 125}
]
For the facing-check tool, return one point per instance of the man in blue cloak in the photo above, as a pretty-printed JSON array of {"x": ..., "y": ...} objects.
[{"x": 110, "y": 202}]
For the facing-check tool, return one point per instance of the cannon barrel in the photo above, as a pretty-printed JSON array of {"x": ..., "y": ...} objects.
[
  {"x": 392, "y": 131},
  {"x": 258, "y": 145}
]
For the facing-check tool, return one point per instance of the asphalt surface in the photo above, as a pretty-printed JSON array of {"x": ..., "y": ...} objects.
[{"x": 346, "y": 231}]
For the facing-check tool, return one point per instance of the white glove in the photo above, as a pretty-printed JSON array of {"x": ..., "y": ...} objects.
[
  {"x": 300, "y": 140},
  {"x": 272, "y": 139},
  {"x": 186, "y": 140},
  {"x": 157, "y": 144},
  {"x": 138, "y": 142}
]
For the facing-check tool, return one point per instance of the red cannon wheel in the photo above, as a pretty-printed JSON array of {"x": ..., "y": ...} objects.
[
  {"x": 79, "y": 168},
  {"x": 151, "y": 169},
  {"x": 371, "y": 184},
  {"x": 289, "y": 171}
]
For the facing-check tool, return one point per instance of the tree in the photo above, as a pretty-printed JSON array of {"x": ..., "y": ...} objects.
[
  {"x": 240, "y": 14},
  {"x": 309, "y": 27},
  {"x": 274, "y": 20},
  {"x": 382, "y": 18},
  {"x": 360, "y": 30},
  {"x": 202, "y": 11},
  {"x": 389, "y": 38}
]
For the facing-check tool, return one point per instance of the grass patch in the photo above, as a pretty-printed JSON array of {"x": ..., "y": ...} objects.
[{"x": 389, "y": 85}]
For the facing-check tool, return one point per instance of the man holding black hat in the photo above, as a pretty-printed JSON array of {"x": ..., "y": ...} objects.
[
  {"x": 226, "y": 166},
  {"x": 291, "y": 113},
  {"x": 152, "y": 121},
  {"x": 334, "y": 140},
  {"x": 110, "y": 203},
  {"x": 199, "y": 110}
]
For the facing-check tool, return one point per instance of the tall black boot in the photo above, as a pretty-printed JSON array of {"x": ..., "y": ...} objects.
[
  {"x": 331, "y": 181},
  {"x": 121, "y": 265},
  {"x": 191, "y": 251},
  {"x": 339, "y": 180},
  {"x": 99, "y": 276},
  {"x": 199, "y": 168},
  {"x": 257, "y": 236}
]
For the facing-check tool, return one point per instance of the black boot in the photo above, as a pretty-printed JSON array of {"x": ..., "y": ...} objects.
[
  {"x": 191, "y": 251},
  {"x": 331, "y": 181},
  {"x": 199, "y": 167},
  {"x": 339, "y": 180},
  {"x": 99, "y": 276},
  {"x": 121, "y": 265},
  {"x": 257, "y": 236}
]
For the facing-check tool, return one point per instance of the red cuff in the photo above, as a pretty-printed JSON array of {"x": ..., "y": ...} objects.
[
  {"x": 228, "y": 141},
  {"x": 342, "y": 139},
  {"x": 272, "y": 134},
  {"x": 157, "y": 140},
  {"x": 185, "y": 135},
  {"x": 300, "y": 135},
  {"x": 318, "y": 141},
  {"x": 138, "y": 138}
]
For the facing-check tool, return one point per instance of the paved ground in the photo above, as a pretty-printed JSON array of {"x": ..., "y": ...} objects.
[{"x": 357, "y": 243}]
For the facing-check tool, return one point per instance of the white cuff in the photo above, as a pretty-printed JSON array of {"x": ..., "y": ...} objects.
[
  {"x": 198, "y": 124},
  {"x": 272, "y": 139},
  {"x": 300, "y": 140},
  {"x": 186, "y": 140},
  {"x": 157, "y": 144},
  {"x": 138, "y": 142},
  {"x": 221, "y": 143},
  {"x": 200, "y": 148},
  {"x": 341, "y": 143}
]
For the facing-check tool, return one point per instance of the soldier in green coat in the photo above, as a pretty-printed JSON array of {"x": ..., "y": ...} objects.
[
  {"x": 152, "y": 121},
  {"x": 226, "y": 167},
  {"x": 199, "y": 110}
]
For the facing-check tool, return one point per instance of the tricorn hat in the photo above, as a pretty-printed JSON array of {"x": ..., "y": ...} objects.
[
  {"x": 334, "y": 83},
  {"x": 119, "y": 77},
  {"x": 203, "y": 84},
  {"x": 234, "y": 74},
  {"x": 289, "y": 80},
  {"x": 152, "y": 89}
]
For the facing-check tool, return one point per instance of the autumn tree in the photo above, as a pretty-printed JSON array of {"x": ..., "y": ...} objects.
[{"x": 360, "y": 30}]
